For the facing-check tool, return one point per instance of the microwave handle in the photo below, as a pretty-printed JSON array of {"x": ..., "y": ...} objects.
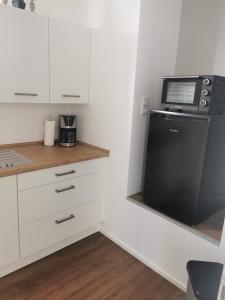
[
  {"x": 177, "y": 114},
  {"x": 181, "y": 77}
]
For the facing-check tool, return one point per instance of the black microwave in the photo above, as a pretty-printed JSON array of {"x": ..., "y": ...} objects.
[{"x": 200, "y": 93}]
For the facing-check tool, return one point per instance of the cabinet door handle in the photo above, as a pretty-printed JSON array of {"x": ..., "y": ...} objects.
[
  {"x": 60, "y": 221},
  {"x": 72, "y": 187},
  {"x": 65, "y": 173},
  {"x": 26, "y": 94},
  {"x": 71, "y": 96}
]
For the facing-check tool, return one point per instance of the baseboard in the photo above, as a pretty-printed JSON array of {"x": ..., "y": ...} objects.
[
  {"x": 45, "y": 252},
  {"x": 144, "y": 260}
]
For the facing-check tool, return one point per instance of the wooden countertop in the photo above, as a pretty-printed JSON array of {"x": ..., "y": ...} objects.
[{"x": 43, "y": 157}]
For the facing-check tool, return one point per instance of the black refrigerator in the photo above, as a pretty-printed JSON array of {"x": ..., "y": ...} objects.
[{"x": 185, "y": 167}]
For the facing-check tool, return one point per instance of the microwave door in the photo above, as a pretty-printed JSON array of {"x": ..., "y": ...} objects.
[{"x": 175, "y": 159}]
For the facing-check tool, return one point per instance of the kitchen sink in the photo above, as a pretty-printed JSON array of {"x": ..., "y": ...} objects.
[{"x": 11, "y": 158}]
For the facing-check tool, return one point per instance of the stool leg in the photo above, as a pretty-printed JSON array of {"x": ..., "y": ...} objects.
[
  {"x": 221, "y": 295},
  {"x": 190, "y": 293}
]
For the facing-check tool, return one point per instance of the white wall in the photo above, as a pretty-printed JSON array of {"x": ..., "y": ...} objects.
[
  {"x": 25, "y": 122},
  {"x": 98, "y": 14},
  {"x": 201, "y": 32},
  {"x": 219, "y": 58},
  {"x": 158, "y": 41}
]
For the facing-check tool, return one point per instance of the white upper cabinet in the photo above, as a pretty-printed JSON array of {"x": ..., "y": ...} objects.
[
  {"x": 9, "y": 240},
  {"x": 24, "y": 64},
  {"x": 69, "y": 62},
  {"x": 29, "y": 45}
]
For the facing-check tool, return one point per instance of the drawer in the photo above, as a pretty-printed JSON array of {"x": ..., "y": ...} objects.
[
  {"x": 51, "y": 175},
  {"x": 38, "y": 203},
  {"x": 46, "y": 232}
]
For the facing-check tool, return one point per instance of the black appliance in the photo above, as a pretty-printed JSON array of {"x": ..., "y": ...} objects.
[
  {"x": 185, "y": 166},
  {"x": 19, "y": 4},
  {"x": 67, "y": 130},
  {"x": 199, "y": 94}
]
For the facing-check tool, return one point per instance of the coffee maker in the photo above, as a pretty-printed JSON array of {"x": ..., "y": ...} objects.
[{"x": 67, "y": 130}]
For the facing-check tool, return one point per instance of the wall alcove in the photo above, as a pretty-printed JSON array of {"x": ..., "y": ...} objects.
[{"x": 184, "y": 56}]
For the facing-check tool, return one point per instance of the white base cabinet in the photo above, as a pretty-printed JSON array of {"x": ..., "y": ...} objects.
[
  {"x": 9, "y": 244},
  {"x": 46, "y": 210},
  {"x": 48, "y": 231},
  {"x": 44, "y": 201}
]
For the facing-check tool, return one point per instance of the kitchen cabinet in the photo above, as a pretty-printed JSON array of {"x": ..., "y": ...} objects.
[
  {"x": 38, "y": 178},
  {"x": 57, "y": 203},
  {"x": 24, "y": 72},
  {"x": 46, "y": 210},
  {"x": 42, "y": 59},
  {"x": 45, "y": 232},
  {"x": 9, "y": 244},
  {"x": 69, "y": 47},
  {"x": 51, "y": 207},
  {"x": 40, "y": 202}
]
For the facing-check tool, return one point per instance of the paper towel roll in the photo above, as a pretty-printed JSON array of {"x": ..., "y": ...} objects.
[{"x": 49, "y": 133}]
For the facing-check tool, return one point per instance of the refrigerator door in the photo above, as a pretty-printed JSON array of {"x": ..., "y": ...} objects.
[{"x": 175, "y": 160}]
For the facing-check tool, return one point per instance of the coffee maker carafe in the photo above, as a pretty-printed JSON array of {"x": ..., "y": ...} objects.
[{"x": 67, "y": 130}]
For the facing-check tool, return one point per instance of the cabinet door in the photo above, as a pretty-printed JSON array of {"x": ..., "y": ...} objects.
[
  {"x": 24, "y": 71},
  {"x": 9, "y": 245},
  {"x": 69, "y": 62}
]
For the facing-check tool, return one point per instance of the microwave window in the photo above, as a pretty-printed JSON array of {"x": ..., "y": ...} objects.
[{"x": 181, "y": 92}]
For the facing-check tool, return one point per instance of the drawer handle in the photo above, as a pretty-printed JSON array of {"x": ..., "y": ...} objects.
[
  {"x": 66, "y": 173},
  {"x": 71, "y": 96},
  {"x": 60, "y": 221},
  {"x": 72, "y": 187},
  {"x": 26, "y": 94}
]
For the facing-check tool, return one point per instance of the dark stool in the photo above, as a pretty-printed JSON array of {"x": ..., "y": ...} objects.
[{"x": 204, "y": 280}]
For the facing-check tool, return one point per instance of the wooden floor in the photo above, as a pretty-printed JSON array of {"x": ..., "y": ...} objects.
[{"x": 92, "y": 269}]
